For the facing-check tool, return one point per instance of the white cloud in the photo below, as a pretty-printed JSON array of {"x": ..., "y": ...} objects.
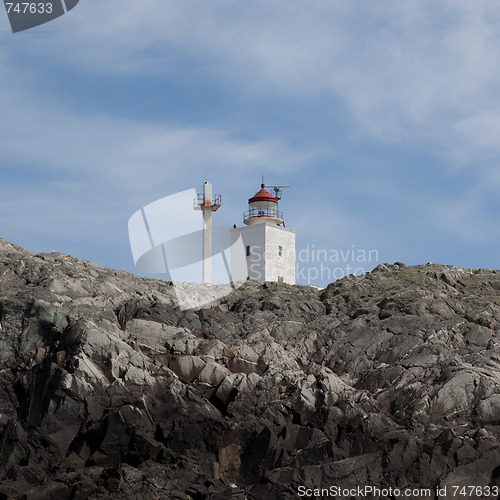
[
  {"x": 410, "y": 72},
  {"x": 415, "y": 73},
  {"x": 406, "y": 68},
  {"x": 125, "y": 152},
  {"x": 80, "y": 174},
  {"x": 482, "y": 131}
]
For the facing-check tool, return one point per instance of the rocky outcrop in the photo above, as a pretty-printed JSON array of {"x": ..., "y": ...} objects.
[{"x": 109, "y": 390}]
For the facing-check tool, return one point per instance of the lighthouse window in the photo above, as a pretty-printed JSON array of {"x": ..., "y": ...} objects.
[
  {"x": 248, "y": 251},
  {"x": 280, "y": 251}
]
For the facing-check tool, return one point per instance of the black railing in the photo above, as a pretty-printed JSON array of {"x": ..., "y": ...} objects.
[
  {"x": 263, "y": 212},
  {"x": 200, "y": 200}
]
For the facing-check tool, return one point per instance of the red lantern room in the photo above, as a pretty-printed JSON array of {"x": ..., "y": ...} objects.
[{"x": 263, "y": 207}]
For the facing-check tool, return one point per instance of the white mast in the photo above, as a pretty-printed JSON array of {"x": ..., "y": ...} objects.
[{"x": 207, "y": 205}]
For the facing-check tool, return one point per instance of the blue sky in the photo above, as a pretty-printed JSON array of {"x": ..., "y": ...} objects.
[{"x": 383, "y": 117}]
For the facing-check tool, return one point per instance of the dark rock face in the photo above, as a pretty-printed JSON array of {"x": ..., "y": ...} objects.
[{"x": 108, "y": 390}]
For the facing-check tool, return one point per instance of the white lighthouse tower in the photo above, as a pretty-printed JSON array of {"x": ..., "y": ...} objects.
[{"x": 269, "y": 245}]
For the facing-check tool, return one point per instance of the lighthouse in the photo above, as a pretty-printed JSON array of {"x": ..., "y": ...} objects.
[{"x": 269, "y": 246}]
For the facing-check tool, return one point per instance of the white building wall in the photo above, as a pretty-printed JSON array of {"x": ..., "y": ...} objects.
[
  {"x": 253, "y": 236},
  {"x": 264, "y": 262},
  {"x": 277, "y": 265}
]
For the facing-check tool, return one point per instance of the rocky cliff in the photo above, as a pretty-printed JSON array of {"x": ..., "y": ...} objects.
[{"x": 108, "y": 390}]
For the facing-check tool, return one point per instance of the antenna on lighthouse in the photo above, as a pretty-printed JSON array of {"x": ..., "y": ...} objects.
[
  {"x": 277, "y": 190},
  {"x": 207, "y": 205}
]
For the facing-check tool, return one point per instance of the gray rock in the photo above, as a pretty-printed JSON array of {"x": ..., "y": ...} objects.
[{"x": 109, "y": 390}]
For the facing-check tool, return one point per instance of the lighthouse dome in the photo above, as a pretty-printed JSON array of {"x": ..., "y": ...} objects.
[
  {"x": 263, "y": 195},
  {"x": 263, "y": 207}
]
